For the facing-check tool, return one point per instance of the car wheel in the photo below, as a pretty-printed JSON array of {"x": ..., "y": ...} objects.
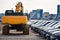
[{"x": 48, "y": 38}]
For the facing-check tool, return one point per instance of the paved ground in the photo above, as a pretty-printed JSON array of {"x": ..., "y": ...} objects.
[{"x": 32, "y": 36}]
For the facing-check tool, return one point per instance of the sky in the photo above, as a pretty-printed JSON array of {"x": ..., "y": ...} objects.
[{"x": 47, "y": 5}]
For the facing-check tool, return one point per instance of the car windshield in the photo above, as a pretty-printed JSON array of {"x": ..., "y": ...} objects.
[
  {"x": 36, "y": 22},
  {"x": 49, "y": 24},
  {"x": 53, "y": 24},
  {"x": 33, "y": 22},
  {"x": 57, "y": 26},
  {"x": 58, "y": 34},
  {"x": 39, "y": 22},
  {"x": 42, "y": 23},
  {"x": 46, "y": 23}
]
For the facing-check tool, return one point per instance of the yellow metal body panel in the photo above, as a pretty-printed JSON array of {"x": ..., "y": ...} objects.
[{"x": 14, "y": 19}]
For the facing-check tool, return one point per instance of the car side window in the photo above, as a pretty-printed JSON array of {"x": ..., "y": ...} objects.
[
  {"x": 46, "y": 23},
  {"x": 59, "y": 27}
]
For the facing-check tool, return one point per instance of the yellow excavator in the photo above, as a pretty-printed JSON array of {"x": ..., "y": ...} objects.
[{"x": 15, "y": 20}]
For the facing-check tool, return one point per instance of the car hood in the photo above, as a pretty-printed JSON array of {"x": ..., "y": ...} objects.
[
  {"x": 41, "y": 27},
  {"x": 54, "y": 30},
  {"x": 33, "y": 25},
  {"x": 47, "y": 28}
]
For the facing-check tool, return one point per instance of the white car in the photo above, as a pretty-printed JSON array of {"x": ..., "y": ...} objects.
[
  {"x": 42, "y": 27},
  {"x": 36, "y": 23},
  {"x": 54, "y": 35},
  {"x": 56, "y": 25},
  {"x": 39, "y": 23},
  {"x": 51, "y": 30}
]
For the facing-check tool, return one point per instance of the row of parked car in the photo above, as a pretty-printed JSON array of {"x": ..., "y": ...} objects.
[{"x": 48, "y": 29}]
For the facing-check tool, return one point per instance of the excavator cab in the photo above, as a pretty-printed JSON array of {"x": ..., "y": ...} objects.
[{"x": 12, "y": 13}]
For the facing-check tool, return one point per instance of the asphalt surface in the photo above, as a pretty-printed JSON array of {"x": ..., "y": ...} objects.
[{"x": 32, "y": 36}]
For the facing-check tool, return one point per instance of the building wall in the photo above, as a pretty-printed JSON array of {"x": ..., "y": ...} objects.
[
  {"x": 36, "y": 14},
  {"x": 58, "y": 9},
  {"x": 45, "y": 15},
  {"x": 39, "y": 13},
  {"x": 33, "y": 14},
  {"x": 58, "y": 12},
  {"x": 1, "y": 14}
]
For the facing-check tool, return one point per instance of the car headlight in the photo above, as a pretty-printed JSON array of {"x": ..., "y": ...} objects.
[
  {"x": 47, "y": 30},
  {"x": 56, "y": 34},
  {"x": 56, "y": 39},
  {"x": 43, "y": 32},
  {"x": 52, "y": 37},
  {"x": 47, "y": 34}
]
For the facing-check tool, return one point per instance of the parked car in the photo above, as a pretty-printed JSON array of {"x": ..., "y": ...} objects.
[
  {"x": 33, "y": 25},
  {"x": 55, "y": 35},
  {"x": 47, "y": 30},
  {"x": 40, "y": 29},
  {"x": 40, "y": 25},
  {"x": 37, "y": 23},
  {"x": 33, "y": 22},
  {"x": 42, "y": 32}
]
